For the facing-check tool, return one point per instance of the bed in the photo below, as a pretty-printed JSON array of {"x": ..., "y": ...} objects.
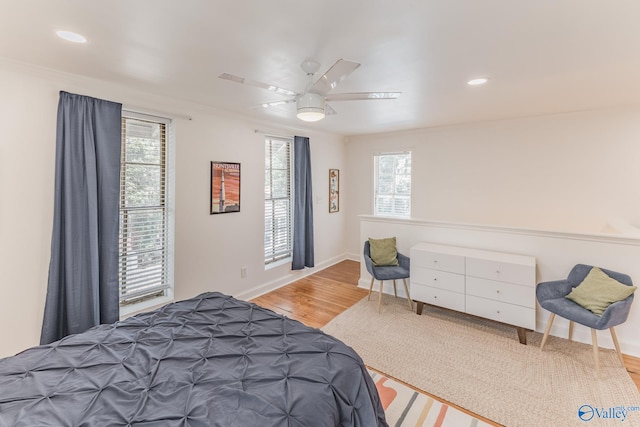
[{"x": 211, "y": 360}]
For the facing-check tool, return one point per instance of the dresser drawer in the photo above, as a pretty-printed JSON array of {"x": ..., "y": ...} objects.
[
  {"x": 437, "y": 279},
  {"x": 501, "y": 291},
  {"x": 501, "y": 312},
  {"x": 521, "y": 274},
  {"x": 438, "y": 261},
  {"x": 439, "y": 297}
]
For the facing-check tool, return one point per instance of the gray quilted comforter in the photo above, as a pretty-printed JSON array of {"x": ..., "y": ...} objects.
[{"x": 208, "y": 361}]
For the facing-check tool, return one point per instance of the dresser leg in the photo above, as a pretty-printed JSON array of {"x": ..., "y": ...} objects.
[
  {"x": 419, "y": 306},
  {"x": 522, "y": 335}
]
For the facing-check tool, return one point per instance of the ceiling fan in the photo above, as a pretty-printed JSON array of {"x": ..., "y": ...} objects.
[{"x": 312, "y": 103}]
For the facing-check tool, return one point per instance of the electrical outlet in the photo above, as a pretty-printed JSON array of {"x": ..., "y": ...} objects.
[{"x": 243, "y": 272}]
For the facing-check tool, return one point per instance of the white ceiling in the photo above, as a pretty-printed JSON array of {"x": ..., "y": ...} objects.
[{"x": 542, "y": 56}]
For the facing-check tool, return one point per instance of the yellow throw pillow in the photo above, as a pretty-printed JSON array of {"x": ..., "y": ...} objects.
[
  {"x": 383, "y": 251},
  {"x": 598, "y": 291}
]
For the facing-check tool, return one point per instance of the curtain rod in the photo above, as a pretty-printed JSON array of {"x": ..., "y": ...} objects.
[
  {"x": 162, "y": 114},
  {"x": 273, "y": 134}
]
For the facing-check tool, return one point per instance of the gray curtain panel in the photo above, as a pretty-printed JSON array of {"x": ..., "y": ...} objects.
[
  {"x": 303, "y": 205},
  {"x": 83, "y": 272}
]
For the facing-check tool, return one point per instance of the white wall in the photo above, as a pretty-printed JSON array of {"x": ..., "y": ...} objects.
[
  {"x": 210, "y": 249},
  {"x": 567, "y": 172}
]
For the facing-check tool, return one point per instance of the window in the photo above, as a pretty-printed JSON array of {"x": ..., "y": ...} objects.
[
  {"x": 278, "y": 200},
  {"x": 392, "y": 194},
  {"x": 146, "y": 241}
]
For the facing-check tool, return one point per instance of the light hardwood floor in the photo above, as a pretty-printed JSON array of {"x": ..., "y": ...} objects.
[{"x": 318, "y": 298}]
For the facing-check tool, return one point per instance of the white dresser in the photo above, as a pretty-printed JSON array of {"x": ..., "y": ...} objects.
[{"x": 493, "y": 285}]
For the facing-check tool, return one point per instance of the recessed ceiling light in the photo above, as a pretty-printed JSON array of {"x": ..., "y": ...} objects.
[
  {"x": 479, "y": 81},
  {"x": 71, "y": 36}
]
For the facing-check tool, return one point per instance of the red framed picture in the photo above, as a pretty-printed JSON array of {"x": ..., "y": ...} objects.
[{"x": 225, "y": 187}]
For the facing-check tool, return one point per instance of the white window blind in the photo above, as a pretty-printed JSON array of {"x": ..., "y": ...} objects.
[
  {"x": 392, "y": 194},
  {"x": 144, "y": 232},
  {"x": 278, "y": 202}
]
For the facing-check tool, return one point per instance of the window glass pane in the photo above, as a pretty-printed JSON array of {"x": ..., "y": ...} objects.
[
  {"x": 386, "y": 165},
  {"x": 279, "y": 156},
  {"x": 267, "y": 156},
  {"x": 144, "y": 229},
  {"x": 403, "y": 184},
  {"x": 383, "y": 204},
  {"x": 143, "y": 142},
  {"x": 403, "y": 165},
  {"x": 142, "y": 185},
  {"x": 268, "y": 226},
  {"x": 267, "y": 184},
  {"x": 401, "y": 205},
  {"x": 385, "y": 184},
  {"x": 280, "y": 183}
]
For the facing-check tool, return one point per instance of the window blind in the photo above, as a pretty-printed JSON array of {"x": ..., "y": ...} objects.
[
  {"x": 278, "y": 204},
  {"x": 143, "y": 240}
]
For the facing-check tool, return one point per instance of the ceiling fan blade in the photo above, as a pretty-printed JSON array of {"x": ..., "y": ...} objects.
[
  {"x": 272, "y": 88},
  {"x": 362, "y": 96},
  {"x": 274, "y": 103},
  {"x": 328, "y": 110},
  {"x": 337, "y": 73}
]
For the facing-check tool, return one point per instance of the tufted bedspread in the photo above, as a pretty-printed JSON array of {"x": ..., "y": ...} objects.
[{"x": 208, "y": 361}]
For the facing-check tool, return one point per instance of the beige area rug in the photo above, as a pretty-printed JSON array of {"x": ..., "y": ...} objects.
[{"x": 481, "y": 366}]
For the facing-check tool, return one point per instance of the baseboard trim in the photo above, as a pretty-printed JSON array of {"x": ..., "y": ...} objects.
[
  {"x": 353, "y": 256},
  {"x": 288, "y": 279}
]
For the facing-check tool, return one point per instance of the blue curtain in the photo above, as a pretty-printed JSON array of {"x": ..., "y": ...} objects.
[
  {"x": 82, "y": 290},
  {"x": 303, "y": 205}
]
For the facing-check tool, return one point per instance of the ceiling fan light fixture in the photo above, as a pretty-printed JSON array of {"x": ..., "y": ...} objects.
[
  {"x": 310, "y": 114},
  {"x": 310, "y": 107}
]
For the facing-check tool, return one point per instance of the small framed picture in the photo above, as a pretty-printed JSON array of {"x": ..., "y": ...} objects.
[
  {"x": 225, "y": 187},
  {"x": 334, "y": 190}
]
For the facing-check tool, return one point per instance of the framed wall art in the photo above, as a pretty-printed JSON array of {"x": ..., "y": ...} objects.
[
  {"x": 225, "y": 187},
  {"x": 334, "y": 190}
]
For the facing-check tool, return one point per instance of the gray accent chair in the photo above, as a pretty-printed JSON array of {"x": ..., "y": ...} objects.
[
  {"x": 551, "y": 296},
  {"x": 382, "y": 273}
]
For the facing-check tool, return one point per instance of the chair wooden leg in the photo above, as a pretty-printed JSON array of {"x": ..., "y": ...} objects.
[
  {"x": 570, "y": 330},
  {"x": 380, "y": 297},
  {"x": 395, "y": 290},
  {"x": 406, "y": 290},
  {"x": 616, "y": 344},
  {"x": 546, "y": 331},
  {"x": 596, "y": 356},
  {"x": 370, "y": 289}
]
